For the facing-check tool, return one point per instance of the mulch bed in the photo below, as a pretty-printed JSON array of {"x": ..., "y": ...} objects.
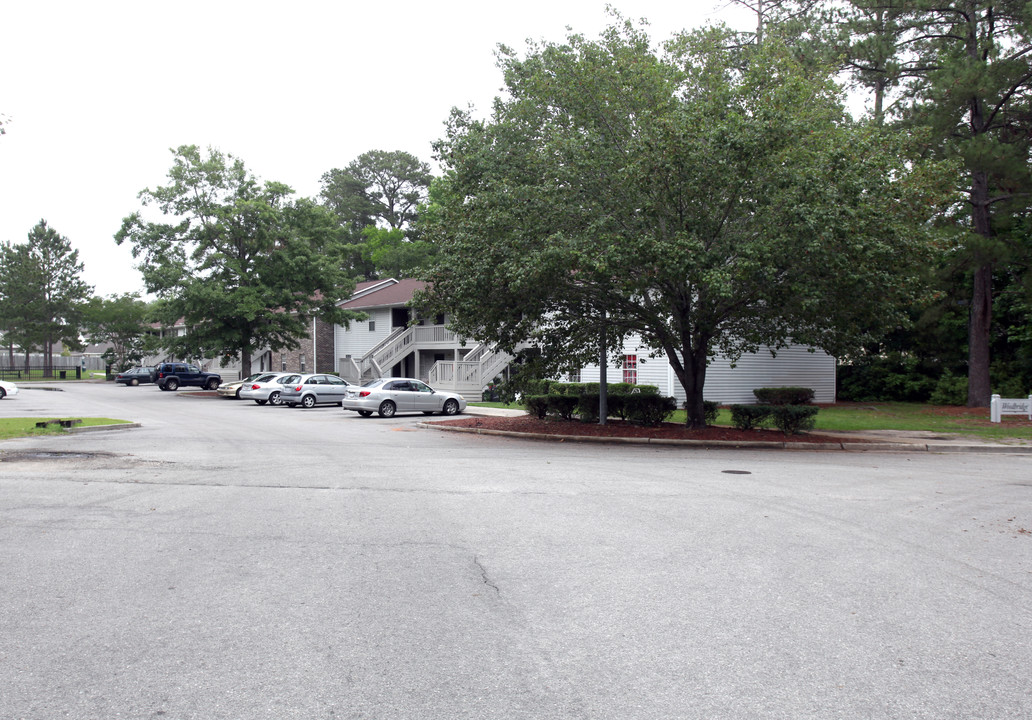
[{"x": 621, "y": 429}]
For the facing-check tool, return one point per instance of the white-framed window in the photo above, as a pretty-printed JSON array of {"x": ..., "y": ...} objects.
[
  {"x": 372, "y": 326},
  {"x": 574, "y": 375},
  {"x": 630, "y": 369},
  {"x": 283, "y": 363},
  {"x": 302, "y": 362}
]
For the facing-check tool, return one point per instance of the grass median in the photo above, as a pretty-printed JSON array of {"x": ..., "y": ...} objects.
[
  {"x": 26, "y": 427},
  {"x": 910, "y": 417}
]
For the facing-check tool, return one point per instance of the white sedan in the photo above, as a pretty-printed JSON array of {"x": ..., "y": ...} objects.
[
  {"x": 7, "y": 388},
  {"x": 388, "y": 396},
  {"x": 265, "y": 390}
]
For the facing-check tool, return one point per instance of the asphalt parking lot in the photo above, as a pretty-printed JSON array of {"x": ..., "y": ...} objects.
[{"x": 225, "y": 560}]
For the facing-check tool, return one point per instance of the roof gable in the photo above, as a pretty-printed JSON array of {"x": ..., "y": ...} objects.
[{"x": 383, "y": 293}]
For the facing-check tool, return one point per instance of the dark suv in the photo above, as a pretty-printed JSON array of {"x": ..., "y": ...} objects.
[{"x": 172, "y": 376}]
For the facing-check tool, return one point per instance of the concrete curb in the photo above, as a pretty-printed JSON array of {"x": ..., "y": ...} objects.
[
  {"x": 97, "y": 428},
  {"x": 760, "y": 445}
]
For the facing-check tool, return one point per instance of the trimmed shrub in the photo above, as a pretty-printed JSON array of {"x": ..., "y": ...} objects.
[
  {"x": 784, "y": 395},
  {"x": 648, "y": 409},
  {"x": 587, "y": 407},
  {"x": 748, "y": 417},
  {"x": 794, "y": 419},
  {"x": 565, "y": 388},
  {"x": 536, "y": 405},
  {"x": 710, "y": 408},
  {"x": 563, "y": 405}
]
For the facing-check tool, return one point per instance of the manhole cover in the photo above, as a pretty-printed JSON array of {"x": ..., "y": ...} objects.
[{"x": 736, "y": 472}]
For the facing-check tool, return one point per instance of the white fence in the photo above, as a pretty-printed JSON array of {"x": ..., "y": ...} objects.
[{"x": 999, "y": 407}]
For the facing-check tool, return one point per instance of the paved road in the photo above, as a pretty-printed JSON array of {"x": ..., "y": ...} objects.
[{"x": 233, "y": 561}]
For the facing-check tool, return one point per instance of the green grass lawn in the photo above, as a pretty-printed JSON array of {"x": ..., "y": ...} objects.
[
  {"x": 913, "y": 417},
  {"x": 26, "y": 427}
]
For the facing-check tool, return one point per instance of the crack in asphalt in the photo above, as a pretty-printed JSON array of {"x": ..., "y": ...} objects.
[{"x": 483, "y": 575}]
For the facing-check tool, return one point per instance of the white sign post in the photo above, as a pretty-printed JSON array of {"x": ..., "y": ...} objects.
[{"x": 999, "y": 407}]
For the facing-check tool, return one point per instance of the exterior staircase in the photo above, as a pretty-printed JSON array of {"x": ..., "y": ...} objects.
[
  {"x": 394, "y": 348},
  {"x": 469, "y": 376}
]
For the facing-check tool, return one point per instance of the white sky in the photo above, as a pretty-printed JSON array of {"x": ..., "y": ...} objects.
[{"x": 95, "y": 94}]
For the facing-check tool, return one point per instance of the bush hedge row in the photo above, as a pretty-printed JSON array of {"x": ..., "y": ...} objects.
[
  {"x": 555, "y": 387},
  {"x": 647, "y": 407},
  {"x": 784, "y": 395},
  {"x": 789, "y": 419}
]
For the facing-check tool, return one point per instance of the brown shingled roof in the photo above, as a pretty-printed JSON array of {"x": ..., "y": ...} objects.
[{"x": 394, "y": 295}]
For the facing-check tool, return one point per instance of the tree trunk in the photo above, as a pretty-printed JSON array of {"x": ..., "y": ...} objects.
[
  {"x": 245, "y": 356},
  {"x": 693, "y": 379},
  {"x": 980, "y": 320}
]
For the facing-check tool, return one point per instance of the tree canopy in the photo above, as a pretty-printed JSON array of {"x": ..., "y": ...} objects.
[
  {"x": 707, "y": 198},
  {"x": 960, "y": 73},
  {"x": 377, "y": 199},
  {"x": 243, "y": 265},
  {"x": 123, "y": 322},
  {"x": 41, "y": 292}
]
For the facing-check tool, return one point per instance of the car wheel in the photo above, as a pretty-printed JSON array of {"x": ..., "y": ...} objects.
[
  {"x": 387, "y": 409},
  {"x": 213, "y": 384},
  {"x": 274, "y": 397},
  {"x": 3, "y": 393},
  {"x": 365, "y": 413},
  {"x": 172, "y": 385},
  {"x": 238, "y": 394},
  {"x": 134, "y": 382},
  {"x": 308, "y": 401},
  {"x": 451, "y": 407},
  {"x": 261, "y": 402}
]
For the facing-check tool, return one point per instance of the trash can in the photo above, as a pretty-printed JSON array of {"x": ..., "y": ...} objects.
[{"x": 62, "y": 374}]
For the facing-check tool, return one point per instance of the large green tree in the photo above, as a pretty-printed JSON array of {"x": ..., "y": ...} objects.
[
  {"x": 963, "y": 69},
  {"x": 707, "y": 199},
  {"x": 18, "y": 283},
  {"x": 41, "y": 292},
  {"x": 123, "y": 321},
  {"x": 240, "y": 262},
  {"x": 377, "y": 198}
]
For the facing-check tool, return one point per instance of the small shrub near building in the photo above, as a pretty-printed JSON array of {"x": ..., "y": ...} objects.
[
  {"x": 784, "y": 395},
  {"x": 789, "y": 419}
]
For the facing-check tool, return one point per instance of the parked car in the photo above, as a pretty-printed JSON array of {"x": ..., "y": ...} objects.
[
  {"x": 174, "y": 375},
  {"x": 267, "y": 388},
  {"x": 7, "y": 388},
  {"x": 388, "y": 396},
  {"x": 232, "y": 389},
  {"x": 314, "y": 389},
  {"x": 137, "y": 376}
]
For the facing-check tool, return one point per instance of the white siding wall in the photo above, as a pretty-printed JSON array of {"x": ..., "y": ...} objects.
[
  {"x": 357, "y": 340},
  {"x": 794, "y": 366}
]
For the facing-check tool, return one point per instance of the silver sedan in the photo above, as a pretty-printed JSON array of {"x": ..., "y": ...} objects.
[
  {"x": 311, "y": 390},
  {"x": 232, "y": 389},
  {"x": 388, "y": 396},
  {"x": 267, "y": 388}
]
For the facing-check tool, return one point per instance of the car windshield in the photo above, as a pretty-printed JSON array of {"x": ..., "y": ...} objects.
[{"x": 375, "y": 383}]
